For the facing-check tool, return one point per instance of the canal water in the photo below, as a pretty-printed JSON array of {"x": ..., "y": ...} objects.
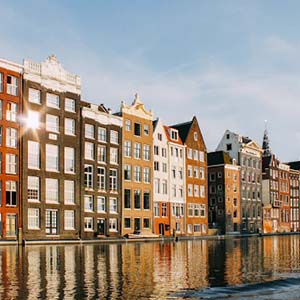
[{"x": 247, "y": 268}]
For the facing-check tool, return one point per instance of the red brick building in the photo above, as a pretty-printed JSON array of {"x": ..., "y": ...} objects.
[{"x": 10, "y": 107}]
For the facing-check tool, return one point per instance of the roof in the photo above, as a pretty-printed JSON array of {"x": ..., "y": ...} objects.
[
  {"x": 183, "y": 129},
  {"x": 179, "y": 142},
  {"x": 295, "y": 165},
  {"x": 266, "y": 161},
  {"x": 154, "y": 124},
  {"x": 246, "y": 139},
  {"x": 218, "y": 158}
]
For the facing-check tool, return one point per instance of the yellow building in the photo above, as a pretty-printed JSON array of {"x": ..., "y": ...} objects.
[{"x": 137, "y": 204}]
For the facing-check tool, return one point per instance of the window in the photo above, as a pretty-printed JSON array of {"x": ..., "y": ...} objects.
[
  {"x": 137, "y": 129},
  {"x": 101, "y": 204},
  {"x": 164, "y": 187},
  {"x": 101, "y": 182},
  {"x": 69, "y": 192},
  {"x": 146, "y": 200},
  {"x": 88, "y": 176},
  {"x": 1, "y": 109},
  {"x": 127, "y": 223},
  {"x": 195, "y": 154},
  {"x": 52, "y": 100},
  {"x": 202, "y": 191},
  {"x": 137, "y": 150},
  {"x": 52, "y": 123},
  {"x": 164, "y": 210},
  {"x": 163, "y": 152},
  {"x": 33, "y": 189},
  {"x": 69, "y": 160},
  {"x": 34, "y": 96},
  {"x": 190, "y": 153},
  {"x": 137, "y": 173},
  {"x": 33, "y": 120},
  {"x": 113, "y": 225},
  {"x": 88, "y": 224},
  {"x": 11, "y": 137},
  {"x": 190, "y": 171},
  {"x": 52, "y": 157},
  {"x": 101, "y": 134},
  {"x": 202, "y": 210},
  {"x": 197, "y": 210},
  {"x": 156, "y": 210},
  {"x": 195, "y": 172},
  {"x": 137, "y": 199},
  {"x": 195, "y": 136},
  {"x": 127, "y": 148},
  {"x": 113, "y": 180},
  {"x": 11, "y": 111},
  {"x": 52, "y": 190},
  {"x": 191, "y": 210},
  {"x": 146, "y": 175},
  {"x": 88, "y": 203},
  {"x": 12, "y": 85},
  {"x": 70, "y": 105},
  {"x": 156, "y": 150},
  {"x": 69, "y": 126},
  {"x": 69, "y": 219},
  {"x": 101, "y": 154},
  {"x": 89, "y": 131},
  {"x": 159, "y": 136},
  {"x": 1, "y": 82},
  {"x": 164, "y": 167},
  {"x": 146, "y": 152},
  {"x": 156, "y": 166},
  {"x": 228, "y": 147},
  {"x": 174, "y": 190},
  {"x": 146, "y": 223},
  {"x": 33, "y": 218},
  {"x": 180, "y": 173},
  {"x": 89, "y": 151},
  {"x": 201, "y": 156},
  {"x": 114, "y": 137},
  {"x": 127, "y": 172},
  {"x": 157, "y": 185},
  {"x": 11, "y": 164},
  {"x": 113, "y": 205},
  {"x": 174, "y": 135},
  {"x": 114, "y": 155},
  {"x": 201, "y": 173},
  {"x": 33, "y": 155},
  {"x": 127, "y": 198},
  {"x": 174, "y": 172},
  {"x": 127, "y": 125},
  {"x": 190, "y": 190},
  {"x": 146, "y": 129},
  {"x": 11, "y": 193},
  {"x": 196, "y": 190}
]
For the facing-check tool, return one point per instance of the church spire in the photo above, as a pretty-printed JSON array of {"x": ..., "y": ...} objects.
[{"x": 266, "y": 143}]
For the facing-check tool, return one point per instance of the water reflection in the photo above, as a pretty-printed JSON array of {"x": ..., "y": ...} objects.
[{"x": 143, "y": 270}]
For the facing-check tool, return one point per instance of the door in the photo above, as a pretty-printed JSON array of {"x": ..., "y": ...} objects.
[
  {"x": 161, "y": 229},
  {"x": 51, "y": 221},
  {"x": 11, "y": 225},
  {"x": 101, "y": 226}
]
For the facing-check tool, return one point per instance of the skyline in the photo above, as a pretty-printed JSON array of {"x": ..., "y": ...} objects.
[{"x": 206, "y": 59}]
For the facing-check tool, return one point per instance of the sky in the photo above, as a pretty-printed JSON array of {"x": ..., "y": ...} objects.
[{"x": 232, "y": 64}]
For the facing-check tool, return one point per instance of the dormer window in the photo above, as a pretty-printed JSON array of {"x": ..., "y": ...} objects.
[{"x": 174, "y": 135}]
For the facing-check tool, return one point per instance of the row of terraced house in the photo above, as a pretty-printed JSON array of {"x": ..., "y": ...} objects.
[{"x": 71, "y": 169}]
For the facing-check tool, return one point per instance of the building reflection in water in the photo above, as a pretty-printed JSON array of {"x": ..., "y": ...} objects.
[{"x": 142, "y": 270}]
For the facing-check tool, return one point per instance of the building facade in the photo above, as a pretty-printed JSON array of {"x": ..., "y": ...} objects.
[
  {"x": 10, "y": 169},
  {"x": 177, "y": 181},
  {"x": 196, "y": 177},
  {"x": 50, "y": 151},
  {"x": 101, "y": 136},
  {"x": 223, "y": 193},
  {"x": 248, "y": 155},
  {"x": 161, "y": 181},
  {"x": 137, "y": 206}
]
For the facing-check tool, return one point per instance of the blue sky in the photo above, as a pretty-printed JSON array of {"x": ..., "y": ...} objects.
[{"x": 233, "y": 64}]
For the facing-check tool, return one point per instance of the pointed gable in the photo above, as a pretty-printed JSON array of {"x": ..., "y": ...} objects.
[{"x": 184, "y": 130}]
